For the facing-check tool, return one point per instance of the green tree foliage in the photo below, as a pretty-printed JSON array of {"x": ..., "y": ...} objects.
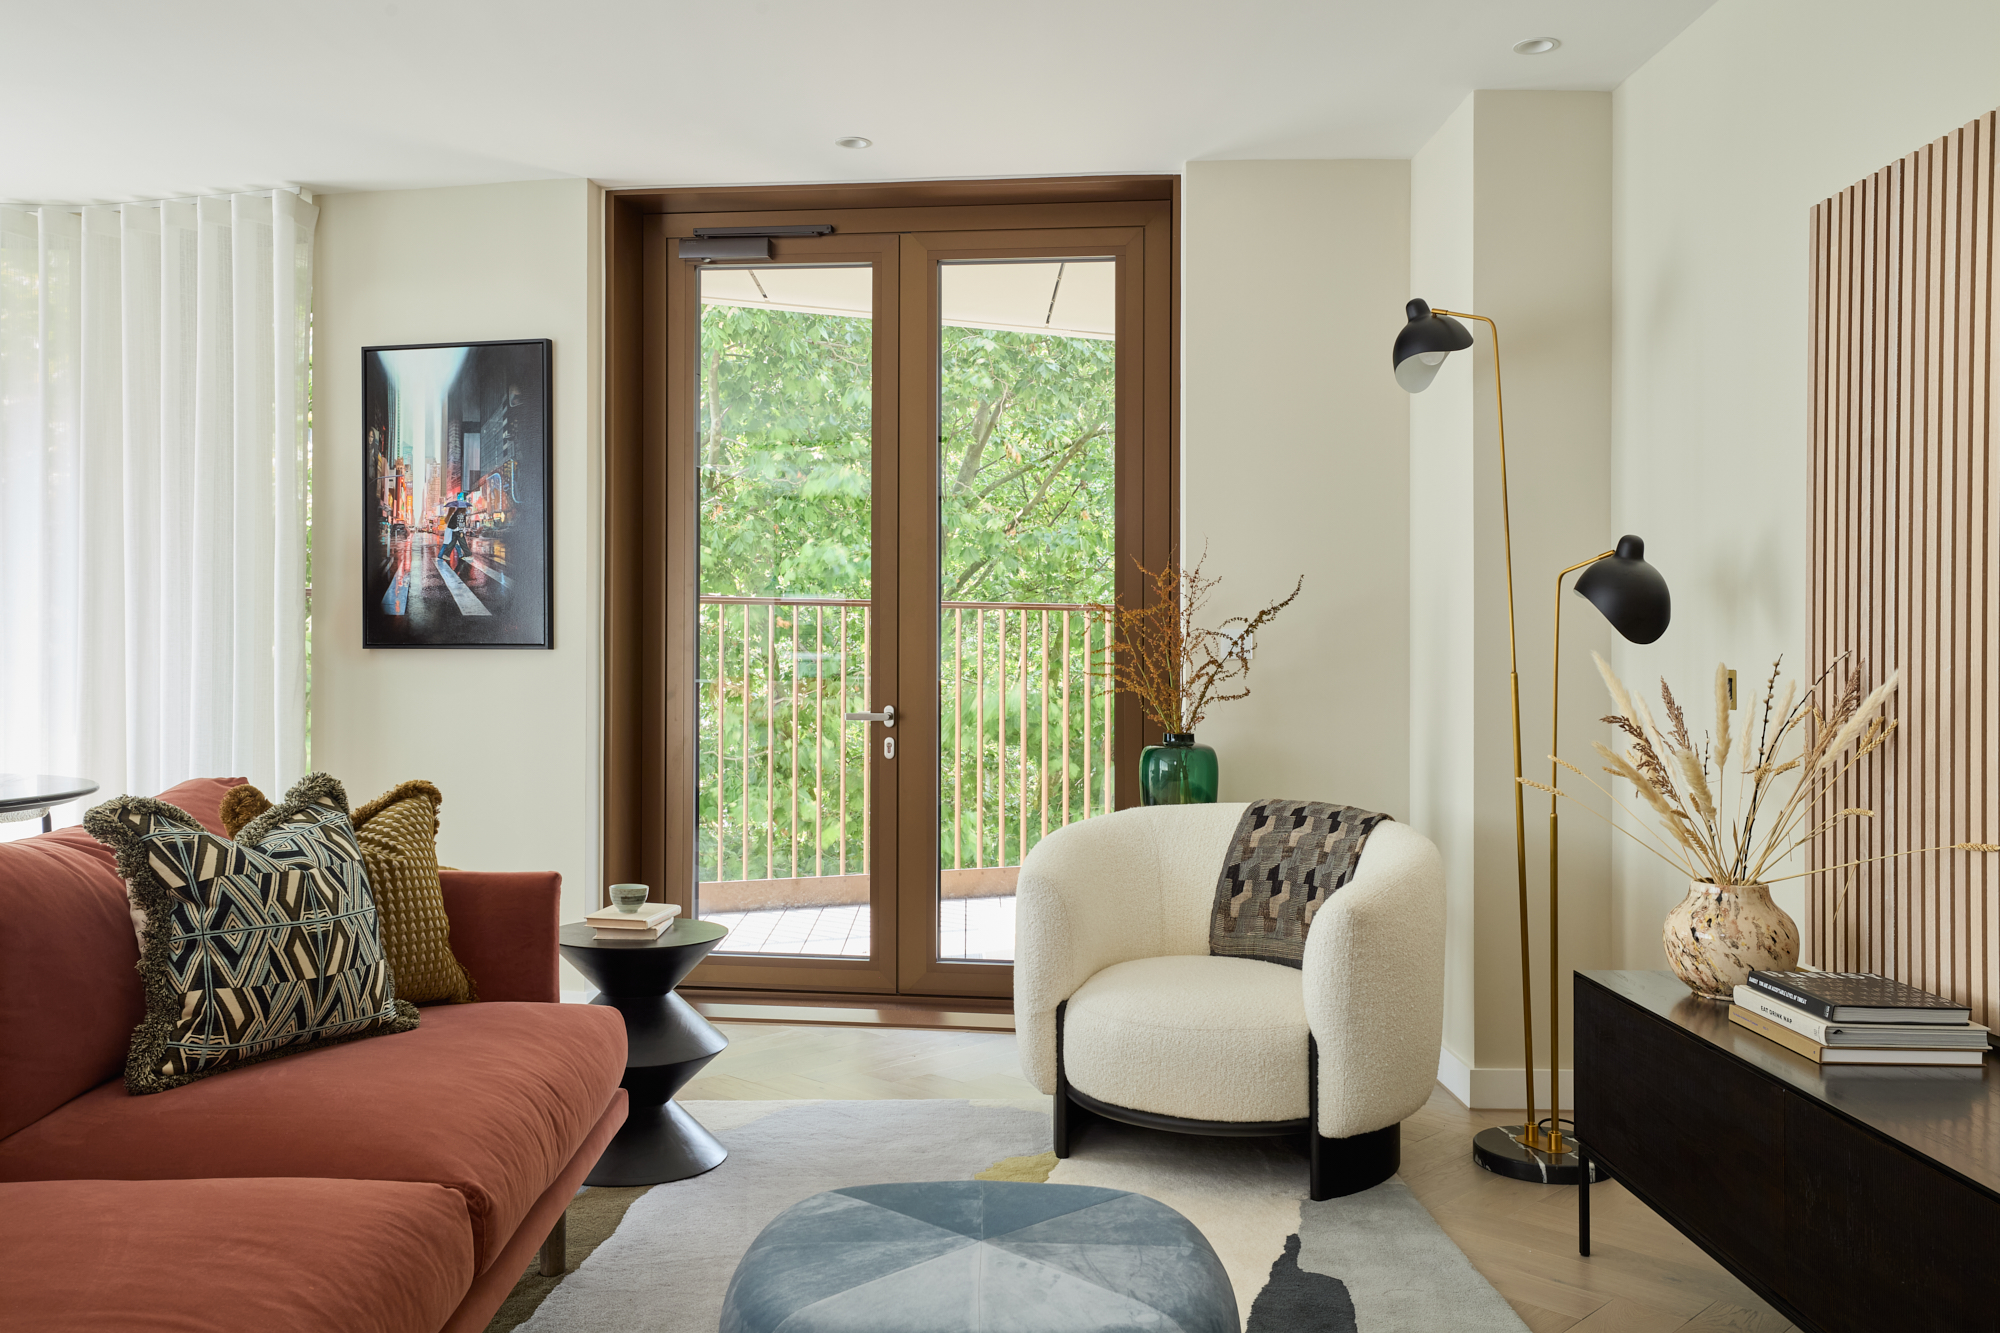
[
  {"x": 785, "y": 434},
  {"x": 1026, "y": 508},
  {"x": 1027, "y": 469},
  {"x": 1028, "y": 478}
]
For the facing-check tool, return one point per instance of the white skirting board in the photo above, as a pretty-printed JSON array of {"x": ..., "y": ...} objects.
[{"x": 1496, "y": 1089}]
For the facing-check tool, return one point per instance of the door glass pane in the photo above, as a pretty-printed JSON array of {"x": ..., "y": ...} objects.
[
  {"x": 1027, "y": 495},
  {"x": 786, "y": 524}
]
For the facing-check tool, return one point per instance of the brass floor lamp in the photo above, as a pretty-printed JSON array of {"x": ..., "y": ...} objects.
[
  {"x": 1632, "y": 595},
  {"x": 1530, "y": 1150}
]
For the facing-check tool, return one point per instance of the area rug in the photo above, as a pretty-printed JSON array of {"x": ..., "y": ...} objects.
[{"x": 1374, "y": 1262}]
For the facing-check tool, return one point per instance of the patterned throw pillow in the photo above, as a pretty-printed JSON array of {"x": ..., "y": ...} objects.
[
  {"x": 1284, "y": 862},
  {"x": 398, "y": 836},
  {"x": 255, "y": 948}
]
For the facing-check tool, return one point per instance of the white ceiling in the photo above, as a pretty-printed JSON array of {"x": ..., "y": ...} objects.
[{"x": 135, "y": 99}]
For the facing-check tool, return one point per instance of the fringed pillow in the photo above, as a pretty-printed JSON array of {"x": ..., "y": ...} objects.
[
  {"x": 253, "y": 948},
  {"x": 398, "y": 836}
]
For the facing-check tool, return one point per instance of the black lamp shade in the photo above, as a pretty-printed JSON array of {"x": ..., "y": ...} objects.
[
  {"x": 1423, "y": 345},
  {"x": 1631, "y": 593}
]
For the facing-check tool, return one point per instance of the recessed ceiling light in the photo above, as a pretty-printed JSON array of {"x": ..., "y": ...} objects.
[
  {"x": 1536, "y": 46},
  {"x": 855, "y": 141}
]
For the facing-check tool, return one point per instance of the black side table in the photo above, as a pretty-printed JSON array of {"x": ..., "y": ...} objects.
[
  {"x": 667, "y": 1044},
  {"x": 25, "y": 795}
]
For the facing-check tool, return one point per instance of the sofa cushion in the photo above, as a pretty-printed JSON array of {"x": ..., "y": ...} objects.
[
  {"x": 490, "y": 1099},
  {"x": 1200, "y": 1038},
  {"x": 232, "y": 1256},
  {"x": 69, "y": 997},
  {"x": 250, "y": 949},
  {"x": 202, "y": 798}
]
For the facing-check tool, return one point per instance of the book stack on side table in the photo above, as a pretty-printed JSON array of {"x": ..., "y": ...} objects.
[
  {"x": 1857, "y": 1018},
  {"x": 651, "y": 921}
]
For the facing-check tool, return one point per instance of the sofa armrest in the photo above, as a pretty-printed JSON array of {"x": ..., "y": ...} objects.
[
  {"x": 503, "y": 931},
  {"x": 1374, "y": 985}
]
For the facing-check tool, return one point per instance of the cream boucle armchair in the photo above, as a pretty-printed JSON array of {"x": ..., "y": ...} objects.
[{"x": 1123, "y": 1013}]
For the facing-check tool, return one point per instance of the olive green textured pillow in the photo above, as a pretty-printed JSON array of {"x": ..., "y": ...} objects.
[{"x": 398, "y": 836}]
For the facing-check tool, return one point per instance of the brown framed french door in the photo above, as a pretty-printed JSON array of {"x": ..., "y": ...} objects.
[
  {"x": 784, "y": 591},
  {"x": 1018, "y": 737},
  {"x": 895, "y": 464}
]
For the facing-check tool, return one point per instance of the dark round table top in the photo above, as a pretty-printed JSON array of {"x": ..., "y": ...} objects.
[
  {"x": 579, "y": 935},
  {"x": 639, "y": 968},
  {"x": 32, "y": 791}
]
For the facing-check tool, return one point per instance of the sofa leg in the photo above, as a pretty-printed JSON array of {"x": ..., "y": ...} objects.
[
  {"x": 1347, "y": 1166},
  {"x": 555, "y": 1250}
]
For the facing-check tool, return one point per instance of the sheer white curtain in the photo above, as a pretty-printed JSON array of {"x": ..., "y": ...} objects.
[{"x": 152, "y": 490}]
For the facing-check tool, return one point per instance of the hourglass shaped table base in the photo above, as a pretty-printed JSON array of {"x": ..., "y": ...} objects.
[{"x": 667, "y": 1043}]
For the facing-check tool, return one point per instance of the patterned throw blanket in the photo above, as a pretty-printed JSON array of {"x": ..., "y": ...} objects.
[{"x": 1286, "y": 860}]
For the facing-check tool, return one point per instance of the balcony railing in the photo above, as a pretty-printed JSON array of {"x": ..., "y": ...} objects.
[
  {"x": 1024, "y": 736},
  {"x": 1025, "y": 732}
]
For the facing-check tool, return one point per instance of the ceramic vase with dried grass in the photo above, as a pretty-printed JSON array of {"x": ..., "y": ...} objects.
[
  {"x": 1720, "y": 933},
  {"x": 1727, "y": 825}
]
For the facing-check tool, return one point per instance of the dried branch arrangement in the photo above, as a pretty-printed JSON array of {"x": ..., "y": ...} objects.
[
  {"x": 1175, "y": 668},
  {"x": 1733, "y": 822}
]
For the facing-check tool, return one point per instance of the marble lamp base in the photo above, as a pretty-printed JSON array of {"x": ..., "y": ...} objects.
[{"x": 1499, "y": 1150}]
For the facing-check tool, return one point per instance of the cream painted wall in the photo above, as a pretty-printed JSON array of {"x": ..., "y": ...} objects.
[
  {"x": 1723, "y": 143},
  {"x": 1443, "y": 613},
  {"x": 1510, "y": 218},
  {"x": 510, "y": 736},
  {"x": 1296, "y": 462}
]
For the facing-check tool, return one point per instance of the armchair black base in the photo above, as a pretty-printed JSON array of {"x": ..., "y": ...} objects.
[{"x": 1339, "y": 1167}]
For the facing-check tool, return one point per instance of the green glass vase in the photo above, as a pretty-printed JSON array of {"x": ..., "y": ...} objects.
[{"x": 1178, "y": 772}]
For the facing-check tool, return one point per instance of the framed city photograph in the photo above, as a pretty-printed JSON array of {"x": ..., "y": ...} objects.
[{"x": 456, "y": 512}]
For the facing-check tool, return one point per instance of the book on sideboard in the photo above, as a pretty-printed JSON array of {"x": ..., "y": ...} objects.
[
  {"x": 1793, "y": 1040},
  {"x": 1857, "y": 997},
  {"x": 1908, "y": 1036}
]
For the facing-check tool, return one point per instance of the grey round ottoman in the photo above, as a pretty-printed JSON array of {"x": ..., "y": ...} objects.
[{"x": 956, "y": 1256}]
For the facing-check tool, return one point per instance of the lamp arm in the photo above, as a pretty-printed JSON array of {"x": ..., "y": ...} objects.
[
  {"x": 1529, "y": 1136},
  {"x": 1555, "y": 727},
  {"x": 1506, "y": 518},
  {"x": 1555, "y": 671}
]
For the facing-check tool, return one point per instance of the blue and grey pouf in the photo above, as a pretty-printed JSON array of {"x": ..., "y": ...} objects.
[{"x": 963, "y": 1255}]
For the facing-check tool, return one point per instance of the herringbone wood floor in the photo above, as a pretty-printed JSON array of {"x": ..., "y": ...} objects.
[{"x": 1644, "y": 1276}]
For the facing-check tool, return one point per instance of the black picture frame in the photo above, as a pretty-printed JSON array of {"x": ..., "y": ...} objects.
[{"x": 458, "y": 496}]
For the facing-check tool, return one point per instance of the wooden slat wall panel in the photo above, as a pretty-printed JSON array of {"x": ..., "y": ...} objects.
[{"x": 1906, "y": 535}]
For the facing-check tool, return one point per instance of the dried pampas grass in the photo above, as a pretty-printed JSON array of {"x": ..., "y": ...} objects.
[{"x": 1731, "y": 824}]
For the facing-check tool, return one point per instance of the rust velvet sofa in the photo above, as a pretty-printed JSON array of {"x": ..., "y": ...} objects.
[{"x": 397, "y": 1183}]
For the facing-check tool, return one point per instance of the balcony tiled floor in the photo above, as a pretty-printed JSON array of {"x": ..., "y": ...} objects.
[
  {"x": 980, "y": 928},
  {"x": 977, "y": 928},
  {"x": 840, "y": 932}
]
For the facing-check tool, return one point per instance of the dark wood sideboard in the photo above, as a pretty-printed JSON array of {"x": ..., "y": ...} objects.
[{"x": 1852, "y": 1198}]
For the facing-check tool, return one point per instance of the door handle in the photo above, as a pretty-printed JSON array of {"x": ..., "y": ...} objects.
[{"x": 887, "y": 717}]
